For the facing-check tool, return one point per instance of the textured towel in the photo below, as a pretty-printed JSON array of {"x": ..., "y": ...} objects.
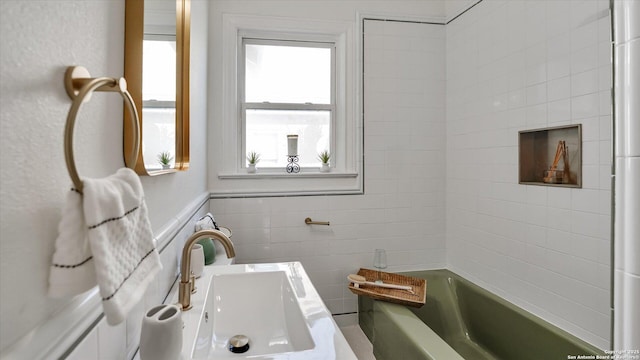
[
  {"x": 72, "y": 269},
  {"x": 120, "y": 241},
  {"x": 206, "y": 222}
]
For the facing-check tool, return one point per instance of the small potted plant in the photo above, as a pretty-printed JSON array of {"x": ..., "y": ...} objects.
[
  {"x": 164, "y": 158},
  {"x": 324, "y": 157},
  {"x": 253, "y": 158}
]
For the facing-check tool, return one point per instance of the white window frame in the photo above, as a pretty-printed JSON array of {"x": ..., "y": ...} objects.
[
  {"x": 284, "y": 40},
  {"x": 229, "y": 177}
]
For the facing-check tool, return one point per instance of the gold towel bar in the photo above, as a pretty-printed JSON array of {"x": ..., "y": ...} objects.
[
  {"x": 308, "y": 221},
  {"x": 79, "y": 86}
]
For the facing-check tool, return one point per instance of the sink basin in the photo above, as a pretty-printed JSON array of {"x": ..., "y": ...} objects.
[
  {"x": 274, "y": 305},
  {"x": 261, "y": 306}
]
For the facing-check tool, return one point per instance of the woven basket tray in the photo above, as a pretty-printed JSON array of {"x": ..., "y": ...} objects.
[{"x": 397, "y": 296}]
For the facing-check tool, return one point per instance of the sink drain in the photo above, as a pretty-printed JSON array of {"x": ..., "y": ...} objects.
[{"x": 239, "y": 344}]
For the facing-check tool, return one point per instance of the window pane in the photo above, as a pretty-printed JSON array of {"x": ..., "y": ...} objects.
[
  {"x": 267, "y": 132},
  {"x": 159, "y": 64},
  {"x": 159, "y": 129},
  {"x": 287, "y": 74}
]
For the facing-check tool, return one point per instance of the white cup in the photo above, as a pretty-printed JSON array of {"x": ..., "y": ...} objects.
[
  {"x": 161, "y": 335},
  {"x": 197, "y": 260}
]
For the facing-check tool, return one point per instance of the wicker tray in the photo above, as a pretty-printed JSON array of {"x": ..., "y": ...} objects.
[{"x": 392, "y": 295}]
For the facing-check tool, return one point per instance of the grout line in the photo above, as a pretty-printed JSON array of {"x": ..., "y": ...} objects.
[{"x": 467, "y": 9}]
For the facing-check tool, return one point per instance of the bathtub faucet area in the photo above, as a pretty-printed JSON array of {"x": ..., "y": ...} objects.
[{"x": 186, "y": 280}]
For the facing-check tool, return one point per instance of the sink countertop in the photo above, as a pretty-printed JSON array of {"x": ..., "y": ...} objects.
[{"x": 329, "y": 340}]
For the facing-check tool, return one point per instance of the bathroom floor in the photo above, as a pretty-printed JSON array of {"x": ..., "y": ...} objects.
[{"x": 358, "y": 342}]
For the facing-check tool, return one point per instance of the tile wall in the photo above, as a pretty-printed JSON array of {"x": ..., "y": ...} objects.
[
  {"x": 627, "y": 191},
  {"x": 402, "y": 209},
  {"x": 518, "y": 65}
]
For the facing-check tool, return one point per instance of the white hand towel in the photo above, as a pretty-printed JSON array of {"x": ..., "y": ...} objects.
[
  {"x": 72, "y": 269},
  {"x": 206, "y": 222},
  {"x": 120, "y": 240}
]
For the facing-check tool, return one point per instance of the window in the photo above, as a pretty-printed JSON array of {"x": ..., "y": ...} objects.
[
  {"x": 283, "y": 76},
  {"x": 158, "y": 98},
  {"x": 289, "y": 88}
]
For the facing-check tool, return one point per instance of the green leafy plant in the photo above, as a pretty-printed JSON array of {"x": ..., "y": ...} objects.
[
  {"x": 253, "y": 158},
  {"x": 164, "y": 158},
  {"x": 324, "y": 157}
]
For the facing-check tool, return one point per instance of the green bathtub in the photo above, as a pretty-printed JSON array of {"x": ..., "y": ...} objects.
[{"x": 463, "y": 321}]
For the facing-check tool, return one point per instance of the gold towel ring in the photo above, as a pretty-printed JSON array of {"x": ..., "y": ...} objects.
[{"x": 80, "y": 86}]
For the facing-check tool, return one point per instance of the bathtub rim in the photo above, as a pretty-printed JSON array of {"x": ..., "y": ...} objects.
[{"x": 417, "y": 332}]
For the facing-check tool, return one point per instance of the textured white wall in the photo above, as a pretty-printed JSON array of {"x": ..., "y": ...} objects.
[
  {"x": 330, "y": 9},
  {"x": 402, "y": 209},
  {"x": 518, "y": 65},
  {"x": 38, "y": 40}
]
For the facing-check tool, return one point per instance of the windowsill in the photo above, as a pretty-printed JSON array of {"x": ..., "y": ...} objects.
[
  {"x": 279, "y": 183},
  {"x": 279, "y": 175}
]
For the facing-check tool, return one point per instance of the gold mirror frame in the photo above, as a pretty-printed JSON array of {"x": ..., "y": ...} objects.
[{"x": 134, "y": 35}]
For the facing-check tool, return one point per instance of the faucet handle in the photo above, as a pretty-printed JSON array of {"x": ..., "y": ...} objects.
[{"x": 192, "y": 283}]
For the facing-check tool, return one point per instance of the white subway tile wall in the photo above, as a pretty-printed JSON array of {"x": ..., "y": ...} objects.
[
  {"x": 627, "y": 191},
  {"x": 402, "y": 209},
  {"x": 518, "y": 65},
  {"x": 112, "y": 341},
  {"x": 87, "y": 349}
]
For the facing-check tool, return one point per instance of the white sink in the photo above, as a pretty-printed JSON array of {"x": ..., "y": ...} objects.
[
  {"x": 261, "y": 306},
  {"x": 274, "y": 305}
]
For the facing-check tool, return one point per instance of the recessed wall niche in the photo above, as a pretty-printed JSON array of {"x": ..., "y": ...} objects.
[{"x": 551, "y": 156}]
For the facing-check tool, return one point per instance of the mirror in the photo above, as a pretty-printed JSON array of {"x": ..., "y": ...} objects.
[{"x": 156, "y": 66}]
